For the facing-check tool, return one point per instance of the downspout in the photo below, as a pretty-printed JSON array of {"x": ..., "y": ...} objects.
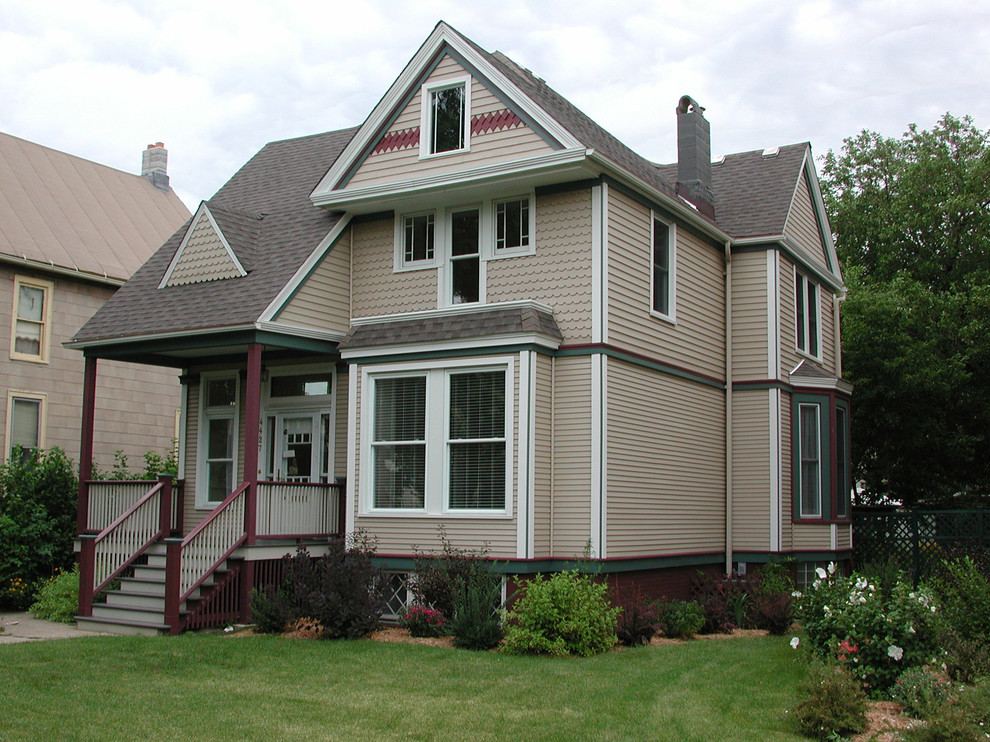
[{"x": 728, "y": 407}]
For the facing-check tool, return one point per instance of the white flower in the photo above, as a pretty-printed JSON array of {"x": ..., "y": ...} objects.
[
  {"x": 821, "y": 573},
  {"x": 895, "y": 652},
  {"x": 796, "y": 594},
  {"x": 828, "y": 611},
  {"x": 816, "y": 583},
  {"x": 795, "y": 642},
  {"x": 861, "y": 583},
  {"x": 911, "y": 630},
  {"x": 831, "y": 568}
]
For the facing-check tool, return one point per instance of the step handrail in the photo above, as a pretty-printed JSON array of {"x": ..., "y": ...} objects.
[{"x": 196, "y": 533}]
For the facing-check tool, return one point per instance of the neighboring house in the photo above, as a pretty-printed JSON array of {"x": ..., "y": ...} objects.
[
  {"x": 71, "y": 233},
  {"x": 489, "y": 316}
]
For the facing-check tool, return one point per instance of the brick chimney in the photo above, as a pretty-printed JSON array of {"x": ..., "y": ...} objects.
[
  {"x": 154, "y": 165},
  {"x": 694, "y": 156}
]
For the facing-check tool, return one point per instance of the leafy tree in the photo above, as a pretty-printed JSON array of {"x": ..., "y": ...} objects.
[{"x": 912, "y": 223}]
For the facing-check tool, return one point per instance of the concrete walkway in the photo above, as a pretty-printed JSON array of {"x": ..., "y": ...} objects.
[{"x": 23, "y": 627}]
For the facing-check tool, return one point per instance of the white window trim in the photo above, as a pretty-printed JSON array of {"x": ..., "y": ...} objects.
[
  {"x": 41, "y": 397},
  {"x": 807, "y": 317},
  {"x": 399, "y": 263},
  {"x": 509, "y": 252},
  {"x": 48, "y": 288},
  {"x": 485, "y": 248},
  {"x": 233, "y": 413},
  {"x": 426, "y": 115},
  {"x": 436, "y": 487},
  {"x": 821, "y": 463},
  {"x": 671, "y": 315}
]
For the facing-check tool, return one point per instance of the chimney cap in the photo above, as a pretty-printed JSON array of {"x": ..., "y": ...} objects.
[
  {"x": 156, "y": 145},
  {"x": 687, "y": 103}
]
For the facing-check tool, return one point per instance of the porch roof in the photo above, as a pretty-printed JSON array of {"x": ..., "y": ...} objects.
[{"x": 275, "y": 186}]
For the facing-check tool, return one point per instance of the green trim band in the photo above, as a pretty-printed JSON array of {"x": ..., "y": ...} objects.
[
  {"x": 594, "y": 566},
  {"x": 568, "y": 187},
  {"x": 451, "y": 353},
  {"x": 643, "y": 362},
  {"x": 760, "y": 557}
]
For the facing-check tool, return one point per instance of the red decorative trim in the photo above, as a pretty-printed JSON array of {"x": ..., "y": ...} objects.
[
  {"x": 494, "y": 121},
  {"x": 395, "y": 140}
]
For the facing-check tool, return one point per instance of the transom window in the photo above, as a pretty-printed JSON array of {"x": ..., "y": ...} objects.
[
  {"x": 31, "y": 319},
  {"x": 662, "y": 273},
  {"x": 439, "y": 441},
  {"x": 445, "y": 121},
  {"x": 806, "y": 299}
]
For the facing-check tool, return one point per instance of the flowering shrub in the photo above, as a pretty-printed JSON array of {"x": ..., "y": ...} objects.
[
  {"x": 921, "y": 692},
  {"x": 835, "y": 706},
  {"x": 58, "y": 597},
  {"x": 875, "y": 637},
  {"x": 423, "y": 621}
]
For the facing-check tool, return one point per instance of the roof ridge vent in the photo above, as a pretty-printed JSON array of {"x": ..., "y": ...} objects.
[{"x": 771, "y": 152}]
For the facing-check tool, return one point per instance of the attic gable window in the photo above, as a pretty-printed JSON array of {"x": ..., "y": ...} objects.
[{"x": 446, "y": 116}]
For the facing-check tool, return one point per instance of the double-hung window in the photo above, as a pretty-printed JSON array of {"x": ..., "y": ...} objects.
[
  {"x": 807, "y": 316},
  {"x": 439, "y": 440},
  {"x": 465, "y": 257},
  {"x": 218, "y": 430},
  {"x": 29, "y": 338},
  {"x": 822, "y": 479},
  {"x": 810, "y": 460},
  {"x": 25, "y": 422},
  {"x": 445, "y": 123},
  {"x": 662, "y": 273}
]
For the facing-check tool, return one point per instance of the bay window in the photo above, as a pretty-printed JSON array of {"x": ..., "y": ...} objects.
[{"x": 821, "y": 473}]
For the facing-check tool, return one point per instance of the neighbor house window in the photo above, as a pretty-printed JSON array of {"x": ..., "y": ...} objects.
[
  {"x": 662, "y": 275},
  {"x": 445, "y": 121},
  {"x": 512, "y": 225},
  {"x": 219, "y": 438},
  {"x": 439, "y": 441},
  {"x": 25, "y": 422},
  {"x": 31, "y": 325},
  {"x": 806, "y": 297}
]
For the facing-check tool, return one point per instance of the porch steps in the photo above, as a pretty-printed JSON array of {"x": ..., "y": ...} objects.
[{"x": 138, "y": 605}]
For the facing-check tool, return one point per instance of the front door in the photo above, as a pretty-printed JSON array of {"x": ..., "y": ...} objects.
[{"x": 297, "y": 445}]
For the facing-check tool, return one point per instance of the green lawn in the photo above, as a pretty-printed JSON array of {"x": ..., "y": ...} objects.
[{"x": 209, "y": 687}]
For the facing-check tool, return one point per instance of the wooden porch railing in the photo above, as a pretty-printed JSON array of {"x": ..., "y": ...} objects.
[
  {"x": 104, "y": 555},
  {"x": 107, "y": 500},
  {"x": 191, "y": 560},
  {"x": 298, "y": 509}
]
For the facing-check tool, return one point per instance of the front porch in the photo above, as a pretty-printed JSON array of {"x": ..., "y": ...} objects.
[
  {"x": 258, "y": 476},
  {"x": 155, "y": 578}
]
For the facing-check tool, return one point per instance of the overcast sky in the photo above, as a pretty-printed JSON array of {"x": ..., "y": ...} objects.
[{"x": 217, "y": 79}]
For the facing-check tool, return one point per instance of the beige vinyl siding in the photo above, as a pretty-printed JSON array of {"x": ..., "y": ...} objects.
[
  {"x": 749, "y": 316},
  {"x": 324, "y": 299},
  {"x": 203, "y": 258},
  {"x": 542, "y": 464},
  {"x": 666, "y": 468},
  {"x": 485, "y": 149},
  {"x": 377, "y": 289},
  {"x": 571, "y": 487},
  {"x": 802, "y": 225},
  {"x": 844, "y": 536},
  {"x": 697, "y": 340},
  {"x": 751, "y": 489},
  {"x": 340, "y": 426},
  {"x": 789, "y": 355},
  {"x": 811, "y": 537},
  {"x": 135, "y": 403},
  {"x": 405, "y": 534},
  {"x": 559, "y": 271}
]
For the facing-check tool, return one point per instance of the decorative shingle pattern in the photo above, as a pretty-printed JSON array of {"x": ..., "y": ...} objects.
[
  {"x": 396, "y": 140},
  {"x": 494, "y": 121},
  {"x": 204, "y": 257},
  {"x": 276, "y": 184}
]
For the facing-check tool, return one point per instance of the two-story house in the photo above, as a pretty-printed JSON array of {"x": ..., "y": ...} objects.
[
  {"x": 72, "y": 232},
  {"x": 480, "y": 311}
]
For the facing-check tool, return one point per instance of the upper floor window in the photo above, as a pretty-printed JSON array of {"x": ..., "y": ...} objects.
[
  {"x": 662, "y": 274},
  {"x": 806, "y": 298},
  {"x": 446, "y": 117},
  {"x": 512, "y": 225},
  {"x": 31, "y": 319},
  {"x": 465, "y": 260},
  {"x": 418, "y": 239}
]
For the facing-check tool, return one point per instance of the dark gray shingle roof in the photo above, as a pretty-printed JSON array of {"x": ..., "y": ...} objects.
[{"x": 266, "y": 214}]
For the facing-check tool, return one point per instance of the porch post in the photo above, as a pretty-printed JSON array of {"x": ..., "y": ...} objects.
[
  {"x": 173, "y": 571},
  {"x": 86, "y": 443},
  {"x": 252, "y": 439}
]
